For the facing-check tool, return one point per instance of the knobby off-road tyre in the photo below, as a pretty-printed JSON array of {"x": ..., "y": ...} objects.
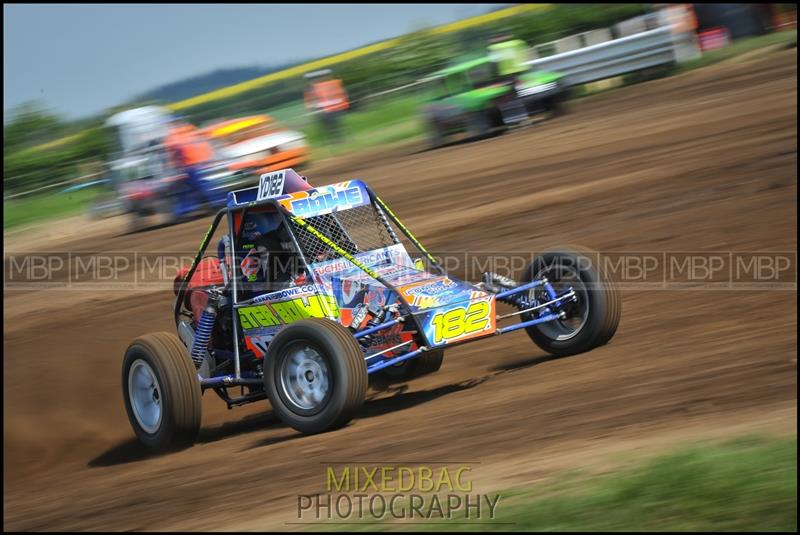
[
  {"x": 427, "y": 363},
  {"x": 161, "y": 392},
  {"x": 557, "y": 106},
  {"x": 436, "y": 137},
  {"x": 593, "y": 320},
  {"x": 165, "y": 208},
  {"x": 104, "y": 207},
  {"x": 479, "y": 125},
  {"x": 315, "y": 375},
  {"x": 137, "y": 222}
]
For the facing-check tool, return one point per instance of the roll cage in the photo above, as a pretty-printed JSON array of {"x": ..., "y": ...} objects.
[
  {"x": 546, "y": 310},
  {"x": 293, "y": 223}
]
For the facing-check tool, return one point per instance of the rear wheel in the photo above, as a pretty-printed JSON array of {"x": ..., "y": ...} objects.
[
  {"x": 479, "y": 124},
  {"x": 166, "y": 209},
  {"x": 556, "y": 105},
  {"x": 589, "y": 321},
  {"x": 137, "y": 222},
  {"x": 315, "y": 375},
  {"x": 161, "y": 392},
  {"x": 436, "y": 136},
  {"x": 104, "y": 207}
]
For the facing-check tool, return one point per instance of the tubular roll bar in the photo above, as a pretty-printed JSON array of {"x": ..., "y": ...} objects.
[
  {"x": 233, "y": 280},
  {"x": 287, "y": 217},
  {"x": 195, "y": 262},
  {"x": 405, "y": 311},
  {"x": 405, "y": 231}
]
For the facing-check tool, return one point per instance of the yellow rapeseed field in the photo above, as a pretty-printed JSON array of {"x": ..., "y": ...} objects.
[{"x": 299, "y": 70}]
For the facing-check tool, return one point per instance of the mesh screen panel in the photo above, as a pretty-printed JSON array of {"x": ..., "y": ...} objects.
[{"x": 355, "y": 230}]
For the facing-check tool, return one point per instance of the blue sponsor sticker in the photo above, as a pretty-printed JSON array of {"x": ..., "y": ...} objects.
[{"x": 328, "y": 199}]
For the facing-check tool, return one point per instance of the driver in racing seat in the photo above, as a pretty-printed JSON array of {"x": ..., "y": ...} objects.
[{"x": 270, "y": 260}]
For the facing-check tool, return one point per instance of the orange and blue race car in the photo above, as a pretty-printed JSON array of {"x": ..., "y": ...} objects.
[
  {"x": 315, "y": 292},
  {"x": 258, "y": 144}
]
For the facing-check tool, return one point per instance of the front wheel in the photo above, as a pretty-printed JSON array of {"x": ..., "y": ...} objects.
[
  {"x": 479, "y": 125},
  {"x": 436, "y": 135},
  {"x": 137, "y": 221},
  {"x": 166, "y": 207},
  {"x": 105, "y": 206},
  {"x": 557, "y": 105},
  {"x": 315, "y": 375},
  {"x": 588, "y": 322},
  {"x": 161, "y": 392}
]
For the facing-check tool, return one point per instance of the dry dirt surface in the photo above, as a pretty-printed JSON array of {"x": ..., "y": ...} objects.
[{"x": 702, "y": 162}]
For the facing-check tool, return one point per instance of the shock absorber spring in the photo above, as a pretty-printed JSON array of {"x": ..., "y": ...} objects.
[
  {"x": 495, "y": 282},
  {"x": 521, "y": 301},
  {"x": 518, "y": 300},
  {"x": 203, "y": 335}
]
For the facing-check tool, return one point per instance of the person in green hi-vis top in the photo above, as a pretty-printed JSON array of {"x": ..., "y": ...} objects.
[{"x": 510, "y": 55}]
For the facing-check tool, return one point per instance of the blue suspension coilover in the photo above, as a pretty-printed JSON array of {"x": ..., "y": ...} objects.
[
  {"x": 497, "y": 283},
  {"x": 203, "y": 335},
  {"x": 521, "y": 301}
]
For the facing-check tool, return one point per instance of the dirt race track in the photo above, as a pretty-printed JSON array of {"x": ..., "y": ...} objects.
[{"x": 701, "y": 162}]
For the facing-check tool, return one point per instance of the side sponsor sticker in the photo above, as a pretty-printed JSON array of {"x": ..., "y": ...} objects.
[
  {"x": 432, "y": 293},
  {"x": 278, "y": 313},
  {"x": 326, "y": 199},
  {"x": 382, "y": 260}
]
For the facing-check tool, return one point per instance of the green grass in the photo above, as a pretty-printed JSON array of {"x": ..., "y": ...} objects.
[
  {"x": 291, "y": 115},
  {"x": 747, "y": 484},
  {"x": 26, "y": 210},
  {"x": 375, "y": 123},
  {"x": 353, "y": 141},
  {"x": 738, "y": 48}
]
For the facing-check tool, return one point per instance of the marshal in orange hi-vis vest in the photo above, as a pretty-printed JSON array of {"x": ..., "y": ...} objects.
[
  {"x": 329, "y": 95},
  {"x": 188, "y": 146}
]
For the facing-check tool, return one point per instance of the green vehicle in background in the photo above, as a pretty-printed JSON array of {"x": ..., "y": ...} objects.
[{"x": 479, "y": 95}]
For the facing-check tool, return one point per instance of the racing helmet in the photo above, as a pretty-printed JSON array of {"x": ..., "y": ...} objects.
[
  {"x": 271, "y": 256},
  {"x": 259, "y": 224}
]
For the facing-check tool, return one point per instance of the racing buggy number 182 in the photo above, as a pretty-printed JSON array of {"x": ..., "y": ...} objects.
[{"x": 312, "y": 295}]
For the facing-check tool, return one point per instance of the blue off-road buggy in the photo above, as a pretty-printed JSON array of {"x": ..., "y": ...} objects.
[
  {"x": 312, "y": 295},
  {"x": 146, "y": 184}
]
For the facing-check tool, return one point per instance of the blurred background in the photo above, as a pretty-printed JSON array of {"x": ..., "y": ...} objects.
[{"x": 94, "y": 155}]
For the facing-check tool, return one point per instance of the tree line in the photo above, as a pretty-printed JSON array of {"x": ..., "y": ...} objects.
[{"x": 29, "y": 161}]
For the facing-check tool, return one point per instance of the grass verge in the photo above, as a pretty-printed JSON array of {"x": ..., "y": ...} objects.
[
  {"x": 737, "y": 48},
  {"x": 746, "y": 484},
  {"x": 18, "y": 212},
  {"x": 376, "y": 123}
]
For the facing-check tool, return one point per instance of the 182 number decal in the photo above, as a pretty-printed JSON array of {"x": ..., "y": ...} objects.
[{"x": 458, "y": 322}]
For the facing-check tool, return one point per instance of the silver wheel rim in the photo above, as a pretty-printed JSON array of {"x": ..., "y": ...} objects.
[
  {"x": 577, "y": 313},
  {"x": 145, "y": 397},
  {"x": 305, "y": 377}
]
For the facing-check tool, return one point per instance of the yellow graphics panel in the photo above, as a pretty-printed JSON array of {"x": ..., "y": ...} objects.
[
  {"x": 262, "y": 321},
  {"x": 274, "y": 314}
]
